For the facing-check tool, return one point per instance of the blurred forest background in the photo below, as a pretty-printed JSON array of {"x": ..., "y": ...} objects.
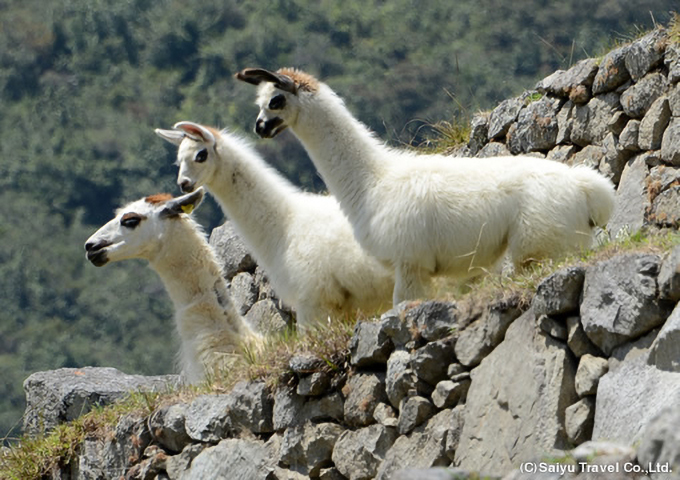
[{"x": 83, "y": 83}]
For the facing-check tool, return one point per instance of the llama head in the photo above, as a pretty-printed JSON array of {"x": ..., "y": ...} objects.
[
  {"x": 279, "y": 97},
  {"x": 196, "y": 154},
  {"x": 138, "y": 229}
]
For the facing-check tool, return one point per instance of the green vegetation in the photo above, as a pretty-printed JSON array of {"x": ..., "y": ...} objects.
[{"x": 84, "y": 82}]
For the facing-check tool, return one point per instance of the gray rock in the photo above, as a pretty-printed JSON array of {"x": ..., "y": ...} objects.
[
  {"x": 578, "y": 341},
  {"x": 561, "y": 153},
  {"x": 363, "y": 392},
  {"x": 210, "y": 418},
  {"x": 288, "y": 406},
  {"x": 516, "y": 402},
  {"x": 620, "y": 301},
  {"x": 605, "y": 453},
  {"x": 614, "y": 159},
  {"x": 560, "y": 292},
  {"x": 231, "y": 250},
  {"x": 591, "y": 155},
  {"x": 425, "y": 448},
  {"x": 412, "y": 412},
  {"x": 433, "y": 319},
  {"x": 370, "y": 345},
  {"x": 175, "y": 465},
  {"x": 396, "y": 327},
  {"x": 579, "y": 419},
  {"x": 399, "y": 378},
  {"x": 130, "y": 438},
  {"x": 612, "y": 72},
  {"x": 235, "y": 459},
  {"x": 665, "y": 351},
  {"x": 674, "y": 100},
  {"x": 628, "y": 139},
  {"x": 439, "y": 473},
  {"x": 206, "y": 418},
  {"x": 669, "y": 276},
  {"x": 314, "y": 384},
  {"x": 243, "y": 292},
  {"x": 554, "y": 328},
  {"x": 57, "y": 396},
  {"x": 358, "y": 454},
  {"x": 654, "y": 124},
  {"x": 479, "y": 133},
  {"x": 430, "y": 362},
  {"x": 645, "y": 54},
  {"x": 617, "y": 123},
  {"x": 503, "y": 116},
  {"x": 302, "y": 364},
  {"x": 448, "y": 393},
  {"x": 590, "y": 122},
  {"x": 167, "y": 427},
  {"x": 308, "y": 448},
  {"x": 630, "y": 395},
  {"x": 331, "y": 474},
  {"x": 480, "y": 338},
  {"x": 267, "y": 317},
  {"x": 565, "y": 123},
  {"x": 590, "y": 370},
  {"x": 670, "y": 144},
  {"x": 536, "y": 127},
  {"x": 574, "y": 83},
  {"x": 251, "y": 407},
  {"x": 660, "y": 443},
  {"x": 631, "y": 199},
  {"x": 493, "y": 149},
  {"x": 637, "y": 99},
  {"x": 665, "y": 209},
  {"x": 385, "y": 415},
  {"x": 672, "y": 61}
]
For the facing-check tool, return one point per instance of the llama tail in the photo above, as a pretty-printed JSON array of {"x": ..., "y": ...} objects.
[{"x": 600, "y": 195}]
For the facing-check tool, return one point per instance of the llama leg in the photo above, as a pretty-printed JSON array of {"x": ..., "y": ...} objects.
[{"x": 411, "y": 283}]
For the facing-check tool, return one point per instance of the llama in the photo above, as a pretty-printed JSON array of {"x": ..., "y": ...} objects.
[
  {"x": 157, "y": 229},
  {"x": 303, "y": 241},
  {"x": 431, "y": 214}
]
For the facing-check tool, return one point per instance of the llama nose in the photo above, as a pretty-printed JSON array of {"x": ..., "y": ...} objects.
[
  {"x": 94, "y": 246},
  {"x": 186, "y": 186},
  {"x": 259, "y": 126}
]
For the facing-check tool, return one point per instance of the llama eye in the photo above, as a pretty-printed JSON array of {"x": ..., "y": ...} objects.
[
  {"x": 130, "y": 221},
  {"x": 277, "y": 103},
  {"x": 201, "y": 156}
]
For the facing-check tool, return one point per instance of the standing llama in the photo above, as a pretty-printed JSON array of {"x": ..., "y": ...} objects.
[
  {"x": 303, "y": 241},
  {"x": 431, "y": 214},
  {"x": 158, "y": 229}
]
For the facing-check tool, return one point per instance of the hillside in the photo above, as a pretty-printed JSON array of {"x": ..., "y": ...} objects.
[
  {"x": 567, "y": 370},
  {"x": 83, "y": 84}
]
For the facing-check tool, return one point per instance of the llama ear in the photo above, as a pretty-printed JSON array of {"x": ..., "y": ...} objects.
[
  {"x": 255, "y": 76},
  {"x": 195, "y": 132},
  {"x": 173, "y": 136},
  {"x": 184, "y": 204}
]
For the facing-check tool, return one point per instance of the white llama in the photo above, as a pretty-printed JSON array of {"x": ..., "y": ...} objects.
[
  {"x": 431, "y": 214},
  {"x": 303, "y": 241},
  {"x": 157, "y": 229}
]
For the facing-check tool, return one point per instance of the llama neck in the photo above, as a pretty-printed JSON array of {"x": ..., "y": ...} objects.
[
  {"x": 255, "y": 197},
  {"x": 189, "y": 270},
  {"x": 343, "y": 149}
]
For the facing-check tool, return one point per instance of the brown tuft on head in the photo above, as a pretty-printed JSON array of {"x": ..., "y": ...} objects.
[
  {"x": 158, "y": 198},
  {"x": 304, "y": 81}
]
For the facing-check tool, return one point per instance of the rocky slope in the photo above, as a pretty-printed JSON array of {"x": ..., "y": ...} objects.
[{"x": 583, "y": 381}]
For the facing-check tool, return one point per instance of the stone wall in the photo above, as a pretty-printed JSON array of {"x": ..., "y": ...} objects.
[{"x": 434, "y": 389}]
